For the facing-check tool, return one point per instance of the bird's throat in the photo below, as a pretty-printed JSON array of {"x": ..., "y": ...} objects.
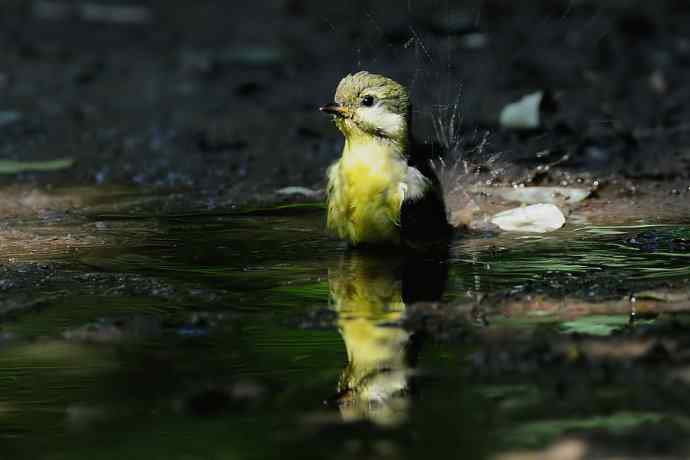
[{"x": 366, "y": 150}]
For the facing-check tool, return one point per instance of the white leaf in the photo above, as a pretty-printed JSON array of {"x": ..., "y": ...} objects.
[
  {"x": 537, "y": 218},
  {"x": 523, "y": 114},
  {"x": 298, "y": 190},
  {"x": 14, "y": 167}
]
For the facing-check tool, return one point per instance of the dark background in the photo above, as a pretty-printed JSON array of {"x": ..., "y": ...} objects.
[{"x": 222, "y": 96}]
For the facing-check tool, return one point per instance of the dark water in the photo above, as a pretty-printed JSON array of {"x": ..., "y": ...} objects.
[{"x": 255, "y": 335}]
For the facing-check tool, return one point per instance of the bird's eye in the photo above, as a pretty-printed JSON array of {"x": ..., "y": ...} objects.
[{"x": 368, "y": 101}]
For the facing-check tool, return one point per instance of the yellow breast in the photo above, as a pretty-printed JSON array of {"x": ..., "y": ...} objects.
[{"x": 365, "y": 193}]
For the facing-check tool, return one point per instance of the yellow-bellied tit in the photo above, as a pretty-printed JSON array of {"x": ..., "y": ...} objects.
[{"x": 381, "y": 190}]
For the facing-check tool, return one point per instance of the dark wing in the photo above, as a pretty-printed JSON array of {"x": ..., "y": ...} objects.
[
  {"x": 420, "y": 156},
  {"x": 423, "y": 219}
]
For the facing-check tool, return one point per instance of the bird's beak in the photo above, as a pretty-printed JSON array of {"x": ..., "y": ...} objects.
[{"x": 334, "y": 109}]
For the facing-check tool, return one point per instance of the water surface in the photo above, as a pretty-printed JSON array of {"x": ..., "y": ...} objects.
[{"x": 253, "y": 334}]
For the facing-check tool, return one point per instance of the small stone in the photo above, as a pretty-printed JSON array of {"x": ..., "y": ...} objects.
[{"x": 523, "y": 114}]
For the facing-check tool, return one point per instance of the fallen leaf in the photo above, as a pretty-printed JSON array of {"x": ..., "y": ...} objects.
[
  {"x": 297, "y": 190},
  {"x": 537, "y": 218},
  {"x": 14, "y": 167},
  {"x": 523, "y": 114}
]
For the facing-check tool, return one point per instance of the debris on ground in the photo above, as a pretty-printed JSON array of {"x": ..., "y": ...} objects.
[
  {"x": 14, "y": 167},
  {"x": 536, "y": 218},
  {"x": 300, "y": 191},
  {"x": 523, "y": 114}
]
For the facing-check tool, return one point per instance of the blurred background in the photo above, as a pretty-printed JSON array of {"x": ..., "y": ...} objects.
[{"x": 222, "y": 96}]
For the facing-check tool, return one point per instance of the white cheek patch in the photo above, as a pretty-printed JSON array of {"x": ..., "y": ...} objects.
[{"x": 389, "y": 123}]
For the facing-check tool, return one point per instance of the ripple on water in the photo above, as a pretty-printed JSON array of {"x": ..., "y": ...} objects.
[{"x": 199, "y": 333}]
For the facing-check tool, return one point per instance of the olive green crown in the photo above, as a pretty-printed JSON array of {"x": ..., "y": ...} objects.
[{"x": 392, "y": 94}]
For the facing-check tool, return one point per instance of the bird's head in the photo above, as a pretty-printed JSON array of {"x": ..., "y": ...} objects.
[{"x": 370, "y": 105}]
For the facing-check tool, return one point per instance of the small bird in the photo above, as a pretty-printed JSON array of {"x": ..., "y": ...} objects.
[{"x": 382, "y": 190}]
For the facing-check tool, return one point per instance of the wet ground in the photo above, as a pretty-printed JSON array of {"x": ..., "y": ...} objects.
[
  {"x": 222, "y": 97},
  {"x": 253, "y": 334},
  {"x": 159, "y": 299}
]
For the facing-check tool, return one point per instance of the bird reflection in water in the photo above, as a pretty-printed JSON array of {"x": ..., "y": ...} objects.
[{"x": 370, "y": 293}]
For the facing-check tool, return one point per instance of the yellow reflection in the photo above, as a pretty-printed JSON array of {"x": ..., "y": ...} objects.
[{"x": 369, "y": 294}]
